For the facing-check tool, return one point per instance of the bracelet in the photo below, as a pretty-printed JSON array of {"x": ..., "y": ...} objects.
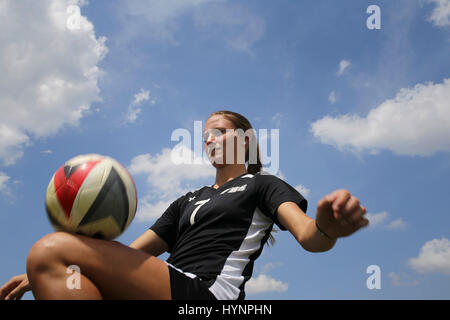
[{"x": 321, "y": 231}]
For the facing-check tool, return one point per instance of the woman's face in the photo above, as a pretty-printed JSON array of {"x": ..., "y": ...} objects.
[{"x": 218, "y": 131}]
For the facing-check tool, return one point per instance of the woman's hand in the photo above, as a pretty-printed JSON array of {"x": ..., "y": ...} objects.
[
  {"x": 15, "y": 288},
  {"x": 340, "y": 214}
]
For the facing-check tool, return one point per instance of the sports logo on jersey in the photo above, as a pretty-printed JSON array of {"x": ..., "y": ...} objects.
[{"x": 234, "y": 189}]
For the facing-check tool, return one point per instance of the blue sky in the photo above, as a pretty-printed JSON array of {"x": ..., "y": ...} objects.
[{"x": 357, "y": 108}]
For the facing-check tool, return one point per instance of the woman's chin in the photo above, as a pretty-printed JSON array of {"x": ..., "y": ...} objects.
[{"x": 217, "y": 163}]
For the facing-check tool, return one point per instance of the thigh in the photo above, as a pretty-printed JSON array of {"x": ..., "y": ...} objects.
[{"x": 118, "y": 271}]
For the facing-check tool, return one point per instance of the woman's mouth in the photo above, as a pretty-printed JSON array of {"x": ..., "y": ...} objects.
[{"x": 212, "y": 149}]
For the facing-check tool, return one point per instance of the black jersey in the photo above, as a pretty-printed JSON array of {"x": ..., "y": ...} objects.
[{"x": 216, "y": 234}]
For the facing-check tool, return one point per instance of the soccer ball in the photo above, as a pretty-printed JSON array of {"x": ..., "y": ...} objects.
[{"x": 92, "y": 195}]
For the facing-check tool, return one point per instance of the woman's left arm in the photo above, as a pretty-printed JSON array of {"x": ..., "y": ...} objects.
[{"x": 339, "y": 214}]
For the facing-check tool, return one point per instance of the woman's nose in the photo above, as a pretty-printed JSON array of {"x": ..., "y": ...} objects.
[{"x": 210, "y": 139}]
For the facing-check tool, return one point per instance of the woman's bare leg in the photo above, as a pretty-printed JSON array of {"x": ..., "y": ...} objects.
[
  {"x": 51, "y": 284},
  {"x": 108, "y": 270}
]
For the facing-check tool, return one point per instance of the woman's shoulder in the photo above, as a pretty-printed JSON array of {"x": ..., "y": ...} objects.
[
  {"x": 264, "y": 176},
  {"x": 193, "y": 193}
]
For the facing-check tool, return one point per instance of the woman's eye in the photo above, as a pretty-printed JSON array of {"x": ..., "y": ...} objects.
[{"x": 215, "y": 133}]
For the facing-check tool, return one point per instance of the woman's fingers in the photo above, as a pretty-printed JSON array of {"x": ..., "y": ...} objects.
[
  {"x": 355, "y": 217},
  {"x": 324, "y": 204},
  {"x": 352, "y": 211},
  {"x": 15, "y": 287},
  {"x": 8, "y": 287},
  {"x": 340, "y": 198},
  {"x": 16, "y": 294},
  {"x": 363, "y": 222},
  {"x": 349, "y": 209}
]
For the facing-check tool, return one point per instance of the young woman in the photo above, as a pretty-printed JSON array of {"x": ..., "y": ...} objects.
[{"x": 213, "y": 234}]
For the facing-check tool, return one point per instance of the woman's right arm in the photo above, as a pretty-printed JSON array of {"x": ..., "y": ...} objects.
[
  {"x": 15, "y": 288},
  {"x": 150, "y": 243}
]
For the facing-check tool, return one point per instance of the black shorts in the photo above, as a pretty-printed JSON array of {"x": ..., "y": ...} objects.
[{"x": 184, "y": 287}]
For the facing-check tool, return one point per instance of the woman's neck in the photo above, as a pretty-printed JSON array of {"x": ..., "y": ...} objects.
[{"x": 227, "y": 173}]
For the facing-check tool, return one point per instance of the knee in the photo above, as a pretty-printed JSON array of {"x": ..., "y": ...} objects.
[{"x": 48, "y": 251}]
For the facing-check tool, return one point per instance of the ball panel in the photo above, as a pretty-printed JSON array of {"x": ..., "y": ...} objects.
[
  {"x": 111, "y": 201},
  {"x": 89, "y": 191},
  {"x": 130, "y": 188},
  {"x": 55, "y": 223},
  {"x": 65, "y": 192},
  {"x": 68, "y": 180},
  {"x": 54, "y": 210}
]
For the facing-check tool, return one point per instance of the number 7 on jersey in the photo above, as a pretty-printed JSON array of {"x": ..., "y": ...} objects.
[{"x": 199, "y": 203}]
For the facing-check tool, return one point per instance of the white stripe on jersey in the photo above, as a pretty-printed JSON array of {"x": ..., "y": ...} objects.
[
  {"x": 190, "y": 275},
  {"x": 227, "y": 283}
]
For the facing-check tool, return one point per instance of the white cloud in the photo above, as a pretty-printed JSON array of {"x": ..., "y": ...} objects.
[
  {"x": 4, "y": 183},
  {"x": 135, "y": 107},
  {"x": 343, "y": 65},
  {"x": 441, "y": 14},
  {"x": 12, "y": 141},
  {"x": 49, "y": 72},
  {"x": 149, "y": 211},
  {"x": 415, "y": 122},
  {"x": 304, "y": 191},
  {"x": 164, "y": 174},
  {"x": 332, "y": 97},
  {"x": 402, "y": 280},
  {"x": 380, "y": 220},
  {"x": 376, "y": 219},
  {"x": 264, "y": 283},
  {"x": 6, "y": 186},
  {"x": 167, "y": 180},
  {"x": 141, "y": 96},
  {"x": 434, "y": 256},
  {"x": 397, "y": 224}
]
